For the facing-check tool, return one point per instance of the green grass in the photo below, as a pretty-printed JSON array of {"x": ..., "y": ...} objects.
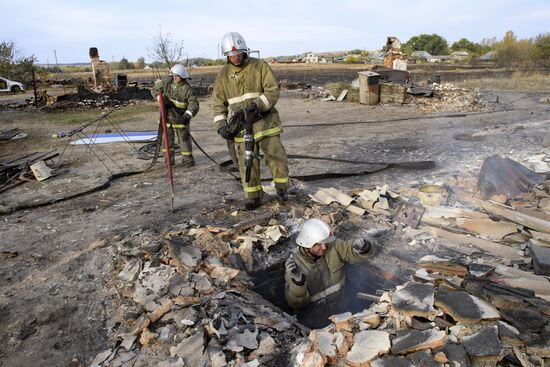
[{"x": 120, "y": 115}]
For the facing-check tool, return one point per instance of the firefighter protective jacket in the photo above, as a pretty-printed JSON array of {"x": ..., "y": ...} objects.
[
  {"x": 237, "y": 87},
  {"x": 321, "y": 294},
  {"x": 182, "y": 97}
]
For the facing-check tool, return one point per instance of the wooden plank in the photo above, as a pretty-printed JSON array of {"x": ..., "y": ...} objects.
[
  {"x": 540, "y": 236},
  {"x": 487, "y": 228},
  {"x": 526, "y": 220},
  {"x": 450, "y": 212},
  {"x": 540, "y": 243},
  {"x": 490, "y": 247}
]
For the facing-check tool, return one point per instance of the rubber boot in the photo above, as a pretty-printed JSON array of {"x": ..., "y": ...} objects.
[
  {"x": 188, "y": 161},
  {"x": 252, "y": 203},
  {"x": 282, "y": 195}
]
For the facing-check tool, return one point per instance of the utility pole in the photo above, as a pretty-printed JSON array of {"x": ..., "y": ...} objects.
[
  {"x": 55, "y": 54},
  {"x": 218, "y": 51}
]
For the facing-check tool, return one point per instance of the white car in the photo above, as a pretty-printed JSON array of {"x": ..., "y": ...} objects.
[{"x": 7, "y": 85}]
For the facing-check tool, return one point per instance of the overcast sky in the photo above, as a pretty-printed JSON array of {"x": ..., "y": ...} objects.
[{"x": 282, "y": 27}]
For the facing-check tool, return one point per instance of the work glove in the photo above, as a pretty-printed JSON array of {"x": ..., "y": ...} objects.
[
  {"x": 295, "y": 273},
  {"x": 225, "y": 132},
  {"x": 362, "y": 245},
  {"x": 252, "y": 113},
  {"x": 184, "y": 118}
]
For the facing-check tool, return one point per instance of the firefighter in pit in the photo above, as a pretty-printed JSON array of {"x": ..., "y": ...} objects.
[
  {"x": 314, "y": 273},
  {"x": 246, "y": 83},
  {"x": 181, "y": 105}
]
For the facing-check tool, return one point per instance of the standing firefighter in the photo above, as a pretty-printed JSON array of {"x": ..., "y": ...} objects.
[
  {"x": 314, "y": 273},
  {"x": 181, "y": 105},
  {"x": 245, "y": 92}
]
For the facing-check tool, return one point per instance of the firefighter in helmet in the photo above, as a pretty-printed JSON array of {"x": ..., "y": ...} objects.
[
  {"x": 248, "y": 84},
  {"x": 314, "y": 273},
  {"x": 181, "y": 105}
]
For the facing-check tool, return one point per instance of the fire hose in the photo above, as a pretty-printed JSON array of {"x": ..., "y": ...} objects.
[
  {"x": 167, "y": 147},
  {"x": 248, "y": 147}
]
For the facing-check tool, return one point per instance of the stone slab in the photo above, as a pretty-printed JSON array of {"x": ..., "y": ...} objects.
[
  {"x": 455, "y": 353},
  {"x": 391, "y": 361},
  {"x": 367, "y": 345},
  {"x": 408, "y": 341},
  {"x": 541, "y": 259},
  {"x": 484, "y": 343},
  {"x": 464, "y": 307},
  {"x": 415, "y": 299},
  {"x": 423, "y": 358}
]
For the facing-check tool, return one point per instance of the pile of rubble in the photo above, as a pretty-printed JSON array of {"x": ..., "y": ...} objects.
[
  {"x": 86, "y": 98},
  {"x": 455, "y": 313},
  {"x": 187, "y": 299},
  {"x": 449, "y": 98},
  {"x": 188, "y": 303}
]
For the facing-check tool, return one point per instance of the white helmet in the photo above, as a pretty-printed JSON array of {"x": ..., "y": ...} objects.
[
  {"x": 233, "y": 44},
  {"x": 314, "y": 231},
  {"x": 180, "y": 70}
]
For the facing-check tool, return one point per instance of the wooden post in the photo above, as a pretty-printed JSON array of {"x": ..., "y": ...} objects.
[{"x": 34, "y": 87}]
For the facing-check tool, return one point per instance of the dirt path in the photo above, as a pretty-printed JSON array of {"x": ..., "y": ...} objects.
[{"x": 56, "y": 296}]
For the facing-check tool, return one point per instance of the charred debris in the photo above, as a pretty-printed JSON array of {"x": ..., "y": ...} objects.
[{"x": 477, "y": 293}]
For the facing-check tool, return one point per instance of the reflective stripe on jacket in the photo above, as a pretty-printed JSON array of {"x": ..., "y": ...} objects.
[
  {"x": 324, "y": 276},
  {"x": 180, "y": 94},
  {"x": 237, "y": 87}
]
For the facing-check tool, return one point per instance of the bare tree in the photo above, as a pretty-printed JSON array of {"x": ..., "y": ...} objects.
[{"x": 165, "y": 49}]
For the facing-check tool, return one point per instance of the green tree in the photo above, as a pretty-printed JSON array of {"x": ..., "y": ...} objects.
[
  {"x": 541, "y": 45},
  {"x": 13, "y": 66},
  {"x": 507, "y": 50},
  {"x": 124, "y": 64},
  {"x": 463, "y": 45},
  {"x": 432, "y": 43},
  {"x": 140, "y": 63}
]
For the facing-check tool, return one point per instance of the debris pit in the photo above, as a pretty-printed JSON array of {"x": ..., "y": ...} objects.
[
  {"x": 209, "y": 287},
  {"x": 456, "y": 317},
  {"x": 200, "y": 285}
]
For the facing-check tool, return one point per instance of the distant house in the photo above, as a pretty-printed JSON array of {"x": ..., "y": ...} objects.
[
  {"x": 460, "y": 56},
  {"x": 439, "y": 58},
  {"x": 488, "y": 57},
  {"x": 377, "y": 57},
  {"x": 311, "y": 58},
  {"x": 326, "y": 59},
  {"x": 420, "y": 56}
]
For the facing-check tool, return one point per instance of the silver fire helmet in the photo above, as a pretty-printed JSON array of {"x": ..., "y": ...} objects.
[{"x": 233, "y": 44}]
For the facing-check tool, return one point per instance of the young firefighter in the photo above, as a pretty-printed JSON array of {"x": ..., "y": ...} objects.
[
  {"x": 314, "y": 273},
  {"x": 248, "y": 83},
  {"x": 181, "y": 105}
]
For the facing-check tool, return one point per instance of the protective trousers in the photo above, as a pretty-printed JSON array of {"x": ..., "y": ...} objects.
[
  {"x": 184, "y": 138},
  {"x": 275, "y": 159}
]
